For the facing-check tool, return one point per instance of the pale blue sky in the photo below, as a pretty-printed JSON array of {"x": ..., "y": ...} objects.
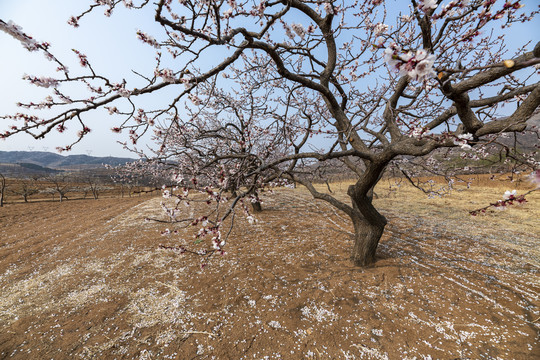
[{"x": 46, "y": 20}]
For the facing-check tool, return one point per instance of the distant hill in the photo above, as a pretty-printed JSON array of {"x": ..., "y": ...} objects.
[
  {"x": 59, "y": 162},
  {"x": 528, "y": 141},
  {"x": 38, "y": 168}
]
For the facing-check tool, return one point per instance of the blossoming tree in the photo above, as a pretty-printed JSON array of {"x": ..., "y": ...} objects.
[{"x": 292, "y": 83}]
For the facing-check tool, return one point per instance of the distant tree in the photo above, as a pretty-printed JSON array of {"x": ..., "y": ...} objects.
[
  {"x": 376, "y": 84},
  {"x": 94, "y": 185},
  {"x": 129, "y": 175},
  {"x": 25, "y": 187},
  {"x": 60, "y": 185},
  {"x": 224, "y": 136},
  {"x": 2, "y": 189}
]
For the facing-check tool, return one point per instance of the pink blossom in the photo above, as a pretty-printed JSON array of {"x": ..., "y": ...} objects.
[
  {"x": 82, "y": 58},
  {"x": 121, "y": 89},
  {"x": 73, "y": 21},
  {"x": 194, "y": 99}
]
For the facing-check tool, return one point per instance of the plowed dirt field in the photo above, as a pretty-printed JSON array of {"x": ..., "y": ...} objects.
[{"x": 88, "y": 280}]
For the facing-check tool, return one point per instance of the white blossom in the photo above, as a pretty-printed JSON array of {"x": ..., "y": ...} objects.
[
  {"x": 509, "y": 194},
  {"x": 144, "y": 37},
  {"x": 463, "y": 141},
  {"x": 299, "y": 30},
  {"x": 328, "y": 8},
  {"x": 227, "y": 13},
  {"x": 380, "y": 29},
  {"x": 16, "y": 32},
  {"x": 42, "y": 81},
  {"x": 274, "y": 324},
  {"x": 419, "y": 132},
  {"x": 124, "y": 92},
  {"x": 406, "y": 18},
  {"x": 391, "y": 57},
  {"x": 426, "y": 5},
  {"x": 534, "y": 177},
  {"x": 166, "y": 74},
  {"x": 424, "y": 65}
]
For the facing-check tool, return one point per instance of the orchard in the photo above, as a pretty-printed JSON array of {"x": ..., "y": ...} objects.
[{"x": 294, "y": 85}]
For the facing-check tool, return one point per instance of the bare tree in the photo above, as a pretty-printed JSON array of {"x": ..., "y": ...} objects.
[
  {"x": 375, "y": 88},
  {"x": 2, "y": 189},
  {"x": 94, "y": 185},
  {"x": 59, "y": 185},
  {"x": 25, "y": 188}
]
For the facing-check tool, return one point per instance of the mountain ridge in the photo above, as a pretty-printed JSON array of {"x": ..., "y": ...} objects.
[{"x": 60, "y": 162}]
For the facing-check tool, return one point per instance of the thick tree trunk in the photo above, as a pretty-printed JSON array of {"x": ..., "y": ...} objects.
[
  {"x": 368, "y": 228},
  {"x": 256, "y": 205},
  {"x": 366, "y": 240}
]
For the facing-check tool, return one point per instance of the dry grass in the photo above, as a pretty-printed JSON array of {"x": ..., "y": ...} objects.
[{"x": 401, "y": 197}]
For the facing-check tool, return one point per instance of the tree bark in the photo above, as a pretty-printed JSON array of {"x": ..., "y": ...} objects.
[
  {"x": 369, "y": 226},
  {"x": 366, "y": 240},
  {"x": 256, "y": 205}
]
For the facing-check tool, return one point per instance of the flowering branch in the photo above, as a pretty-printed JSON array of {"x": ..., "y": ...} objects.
[{"x": 509, "y": 198}]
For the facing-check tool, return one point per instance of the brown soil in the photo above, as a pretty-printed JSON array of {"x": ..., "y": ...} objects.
[{"x": 87, "y": 279}]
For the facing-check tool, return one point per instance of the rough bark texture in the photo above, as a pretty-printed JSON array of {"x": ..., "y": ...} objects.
[
  {"x": 368, "y": 228},
  {"x": 366, "y": 240}
]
